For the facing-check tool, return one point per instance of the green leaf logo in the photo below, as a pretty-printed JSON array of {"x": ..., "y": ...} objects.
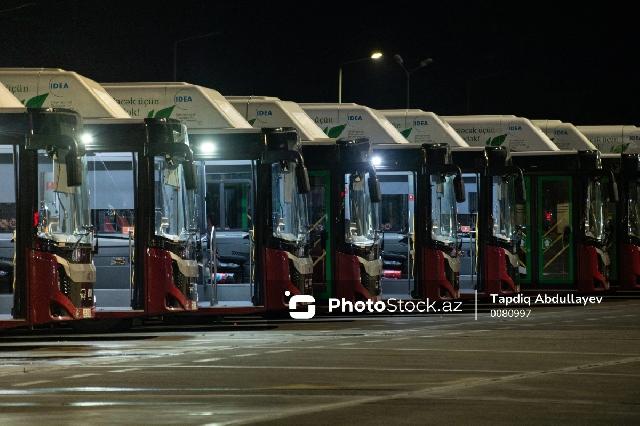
[
  {"x": 165, "y": 112},
  {"x": 619, "y": 149},
  {"x": 406, "y": 132},
  {"x": 150, "y": 114},
  {"x": 36, "y": 101},
  {"x": 253, "y": 120},
  {"x": 497, "y": 141},
  {"x": 335, "y": 132}
]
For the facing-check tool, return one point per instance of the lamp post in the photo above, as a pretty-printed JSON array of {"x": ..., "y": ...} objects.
[
  {"x": 375, "y": 56},
  {"x": 175, "y": 49},
  {"x": 423, "y": 63}
]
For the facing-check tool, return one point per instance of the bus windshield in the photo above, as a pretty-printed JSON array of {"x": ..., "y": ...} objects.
[
  {"x": 360, "y": 214},
  {"x": 175, "y": 216},
  {"x": 594, "y": 212},
  {"x": 443, "y": 209},
  {"x": 290, "y": 220},
  {"x": 111, "y": 182},
  {"x": 504, "y": 207},
  {"x": 63, "y": 210}
]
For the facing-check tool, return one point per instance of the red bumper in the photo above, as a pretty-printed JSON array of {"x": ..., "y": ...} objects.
[
  {"x": 629, "y": 267},
  {"x": 348, "y": 280},
  {"x": 44, "y": 291},
  {"x": 435, "y": 285},
  {"x": 496, "y": 276},
  {"x": 589, "y": 278},
  {"x": 162, "y": 295},
  {"x": 277, "y": 280}
]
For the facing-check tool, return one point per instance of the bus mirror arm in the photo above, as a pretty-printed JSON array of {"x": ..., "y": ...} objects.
[
  {"x": 374, "y": 186},
  {"x": 458, "y": 187},
  {"x": 302, "y": 176},
  {"x": 74, "y": 167},
  {"x": 520, "y": 190},
  {"x": 189, "y": 170},
  {"x": 613, "y": 187},
  {"x": 190, "y": 174}
]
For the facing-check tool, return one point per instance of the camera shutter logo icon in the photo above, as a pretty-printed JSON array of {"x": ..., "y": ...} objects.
[{"x": 301, "y": 299}]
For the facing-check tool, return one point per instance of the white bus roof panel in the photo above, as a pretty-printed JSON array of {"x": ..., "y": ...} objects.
[
  {"x": 565, "y": 135},
  {"x": 419, "y": 126},
  {"x": 268, "y": 111},
  {"x": 352, "y": 120},
  {"x": 614, "y": 139},
  {"x": 8, "y": 102},
  {"x": 57, "y": 88},
  {"x": 195, "y": 106},
  {"x": 517, "y": 133}
]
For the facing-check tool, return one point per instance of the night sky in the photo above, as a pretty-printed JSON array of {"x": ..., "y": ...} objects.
[{"x": 575, "y": 64}]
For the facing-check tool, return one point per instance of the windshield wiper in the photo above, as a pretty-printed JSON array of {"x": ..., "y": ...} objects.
[
  {"x": 113, "y": 237},
  {"x": 315, "y": 225},
  {"x": 88, "y": 230}
]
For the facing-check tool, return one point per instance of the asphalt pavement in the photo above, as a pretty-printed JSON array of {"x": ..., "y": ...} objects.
[{"x": 569, "y": 365}]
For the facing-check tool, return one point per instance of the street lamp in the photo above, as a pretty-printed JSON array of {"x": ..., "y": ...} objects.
[
  {"x": 175, "y": 49},
  {"x": 375, "y": 56},
  {"x": 423, "y": 63}
]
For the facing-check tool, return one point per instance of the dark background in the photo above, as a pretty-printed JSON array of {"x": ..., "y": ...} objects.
[{"x": 574, "y": 63}]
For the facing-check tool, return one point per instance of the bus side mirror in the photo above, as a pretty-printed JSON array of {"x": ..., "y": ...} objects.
[
  {"x": 613, "y": 188},
  {"x": 302, "y": 178},
  {"x": 458, "y": 187},
  {"x": 74, "y": 168},
  {"x": 189, "y": 175},
  {"x": 521, "y": 192},
  {"x": 374, "y": 187}
]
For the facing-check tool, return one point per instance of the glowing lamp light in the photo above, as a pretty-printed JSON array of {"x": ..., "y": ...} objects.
[
  {"x": 376, "y": 161},
  {"x": 207, "y": 147},
  {"x": 86, "y": 138}
]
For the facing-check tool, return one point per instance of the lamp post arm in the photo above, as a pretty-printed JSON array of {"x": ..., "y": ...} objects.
[
  {"x": 408, "y": 73},
  {"x": 340, "y": 74},
  {"x": 355, "y": 60}
]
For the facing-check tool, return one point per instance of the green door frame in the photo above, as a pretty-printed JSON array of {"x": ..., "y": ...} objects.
[
  {"x": 325, "y": 175},
  {"x": 539, "y": 252},
  {"x": 526, "y": 279}
]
